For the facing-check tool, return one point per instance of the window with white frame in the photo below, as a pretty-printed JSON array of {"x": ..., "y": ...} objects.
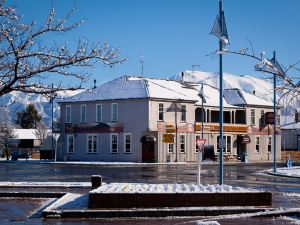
[
  {"x": 256, "y": 144},
  {"x": 92, "y": 143},
  {"x": 68, "y": 114},
  {"x": 262, "y": 117},
  {"x": 182, "y": 143},
  {"x": 196, "y": 146},
  {"x": 114, "y": 112},
  {"x": 252, "y": 118},
  {"x": 170, "y": 147},
  {"x": 114, "y": 143},
  {"x": 83, "y": 113},
  {"x": 183, "y": 113},
  {"x": 160, "y": 111},
  {"x": 70, "y": 143},
  {"x": 127, "y": 143},
  {"x": 99, "y": 113},
  {"x": 269, "y": 143},
  {"x": 227, "y": 144}
]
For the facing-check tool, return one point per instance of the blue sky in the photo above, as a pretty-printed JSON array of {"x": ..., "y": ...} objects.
[{"x": 172, "y": 35}]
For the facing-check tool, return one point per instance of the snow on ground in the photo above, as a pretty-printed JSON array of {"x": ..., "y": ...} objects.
[
  {"x": 167, "y": 188},
  {"x": 292, "y": 172},
  {"x": 207, "y": 223},
  {"x": 69, "y": 201}
]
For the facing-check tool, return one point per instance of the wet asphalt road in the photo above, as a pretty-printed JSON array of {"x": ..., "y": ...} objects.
[
  {"x": 286, "y": 190},
  {"x": 237, "y": 174}
]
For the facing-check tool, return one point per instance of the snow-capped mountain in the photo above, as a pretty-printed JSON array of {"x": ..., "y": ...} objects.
[
  {"x": 261, "y": 87},
  {"x": 14, "y": 102},
  {"x": 249, "y": 84}
]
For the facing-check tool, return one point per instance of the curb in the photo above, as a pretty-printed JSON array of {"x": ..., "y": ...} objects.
[
  {"x": 282, "y": 175},
  {"x": 32, "y": 194},
  {"x": 143, "y": 213}
]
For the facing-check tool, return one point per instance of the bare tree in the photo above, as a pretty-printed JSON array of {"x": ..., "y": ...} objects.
[
  {"x": 42, "y": 131},
  {"x": 6, "y": 132},
  {"x": 288, "y": 76},
  {"x": 26, "y": 58}
]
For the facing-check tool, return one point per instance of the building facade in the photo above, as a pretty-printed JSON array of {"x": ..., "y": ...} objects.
[{"x": 137, "y": 119}]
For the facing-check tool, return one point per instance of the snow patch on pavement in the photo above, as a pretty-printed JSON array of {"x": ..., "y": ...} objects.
[{"x": 292, "y": 172}]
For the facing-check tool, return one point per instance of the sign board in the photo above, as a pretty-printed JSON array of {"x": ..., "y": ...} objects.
[
  {"x": 200, "y": 143},
  {"x": 174, "y": 107},
  {"x": 246, "y": 139},
  {"x": 170, "y": 128},
  {"x": 168, "y": 138}
]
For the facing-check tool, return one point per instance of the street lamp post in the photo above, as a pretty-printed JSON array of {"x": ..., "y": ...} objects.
[
  {"x": 52, "y": 125},
  {"x": 275, "y": 114}
]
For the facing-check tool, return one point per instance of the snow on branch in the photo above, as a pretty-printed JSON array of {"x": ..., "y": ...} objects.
[
  {"x": 27, "y": 58},
  {"x": 288, "y": 86}
]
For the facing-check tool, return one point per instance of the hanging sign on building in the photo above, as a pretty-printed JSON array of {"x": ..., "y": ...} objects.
[
  {"x": 170, "y": 128},
  {"x": 168, "y": 138},
  {"x": 246, "y": 139}
]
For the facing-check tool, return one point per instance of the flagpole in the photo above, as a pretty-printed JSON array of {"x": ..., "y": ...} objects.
[{"x": 221, "y": 98}]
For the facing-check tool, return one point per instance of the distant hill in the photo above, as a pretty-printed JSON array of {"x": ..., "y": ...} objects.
[{"x": 17, "y": 101}]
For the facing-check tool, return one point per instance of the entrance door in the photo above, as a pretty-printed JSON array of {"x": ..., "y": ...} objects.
[{"x": 148, "y": 151}]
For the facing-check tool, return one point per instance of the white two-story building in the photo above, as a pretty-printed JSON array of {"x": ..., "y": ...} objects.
[{"x": 138, "y": 119}]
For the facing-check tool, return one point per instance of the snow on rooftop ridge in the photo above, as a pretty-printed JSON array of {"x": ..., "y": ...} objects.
[{"x": 167, "y": 188}]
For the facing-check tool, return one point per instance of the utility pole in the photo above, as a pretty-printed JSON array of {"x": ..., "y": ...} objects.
[{"x": 176, "y": 134}]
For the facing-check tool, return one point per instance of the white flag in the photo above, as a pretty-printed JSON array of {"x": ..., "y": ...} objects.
[{"x": 220, "y": 30}]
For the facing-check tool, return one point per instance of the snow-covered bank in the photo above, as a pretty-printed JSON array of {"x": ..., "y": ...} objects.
[
  {"x": 167, "y": 188},
  {"x": 291, "y": 172},
  {"x": 44, "y": 184}
]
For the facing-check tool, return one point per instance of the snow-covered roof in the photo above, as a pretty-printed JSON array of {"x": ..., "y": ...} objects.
[
  {"x": 25, "y": 134},
  {"x": 120, "y": 88},
  {"x": 289, "y": 123},
  {"x": 131, "y": 87},
  {"x": 236, "y": 96}
]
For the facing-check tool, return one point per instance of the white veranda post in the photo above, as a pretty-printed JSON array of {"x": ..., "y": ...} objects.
[{"x": 200, "y": 144}]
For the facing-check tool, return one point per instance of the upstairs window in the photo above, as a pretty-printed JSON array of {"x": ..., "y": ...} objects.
[
  {"x": 83, "y": 113},
  {"x": 114, "y": 112},
  {"x": 99, "y": 113},
  {"x": 252, "y": 118},
  {"x": 68, "y": 114},
  {"x": 262, "y": 117},
  {"x": 183, "y": 113},
  {"x": 160, "y": 111}
]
